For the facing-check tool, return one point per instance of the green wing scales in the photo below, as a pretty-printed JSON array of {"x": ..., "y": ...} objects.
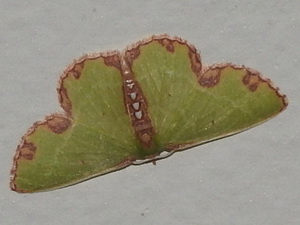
[{"x": 189, "y": 104}]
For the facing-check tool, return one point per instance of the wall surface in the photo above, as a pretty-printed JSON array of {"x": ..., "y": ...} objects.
[{"x": 249, "y": 178}]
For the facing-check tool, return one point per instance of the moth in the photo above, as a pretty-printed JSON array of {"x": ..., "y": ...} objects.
[{"x": 135, "y": 106}]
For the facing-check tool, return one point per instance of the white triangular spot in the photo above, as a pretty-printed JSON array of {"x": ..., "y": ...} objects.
[
  {"x": 138, "y": 115},
  {"x": 133, "y": 95},
  {"x": 136, "y": 105},
  {"x": 130, "y": 85}
]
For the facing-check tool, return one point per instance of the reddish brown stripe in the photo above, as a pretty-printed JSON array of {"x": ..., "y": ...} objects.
[{"x": 142, "y": 126}]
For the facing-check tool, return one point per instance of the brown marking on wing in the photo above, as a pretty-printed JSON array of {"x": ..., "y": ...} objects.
[
  {"x": 167, "y": 43},
  {"x": 165, "y": 40},
  {"x": 194, "y": 56},
  {"x": 26, "y": 150},
  {"x": 195, "y": 62},
  {"x": 112, "y": 60},
  {"x": 76, "y": 70},
  {"x": 64, "y": 100},
  {"x": 251, "y": 80},
  {"x": 283, "y": 97},
  {"x": 210, "y": 78},
  {"x": 132, "y": 54},
  {"x": 57, "y": 124}
]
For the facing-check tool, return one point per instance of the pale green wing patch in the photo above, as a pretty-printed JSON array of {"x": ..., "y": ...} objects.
[
  {"x": 94, "y": 137},
  {"x": 190, "y": 105}
]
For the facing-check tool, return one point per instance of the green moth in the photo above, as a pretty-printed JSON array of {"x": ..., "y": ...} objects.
[{"x": 135, "y": 106}]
